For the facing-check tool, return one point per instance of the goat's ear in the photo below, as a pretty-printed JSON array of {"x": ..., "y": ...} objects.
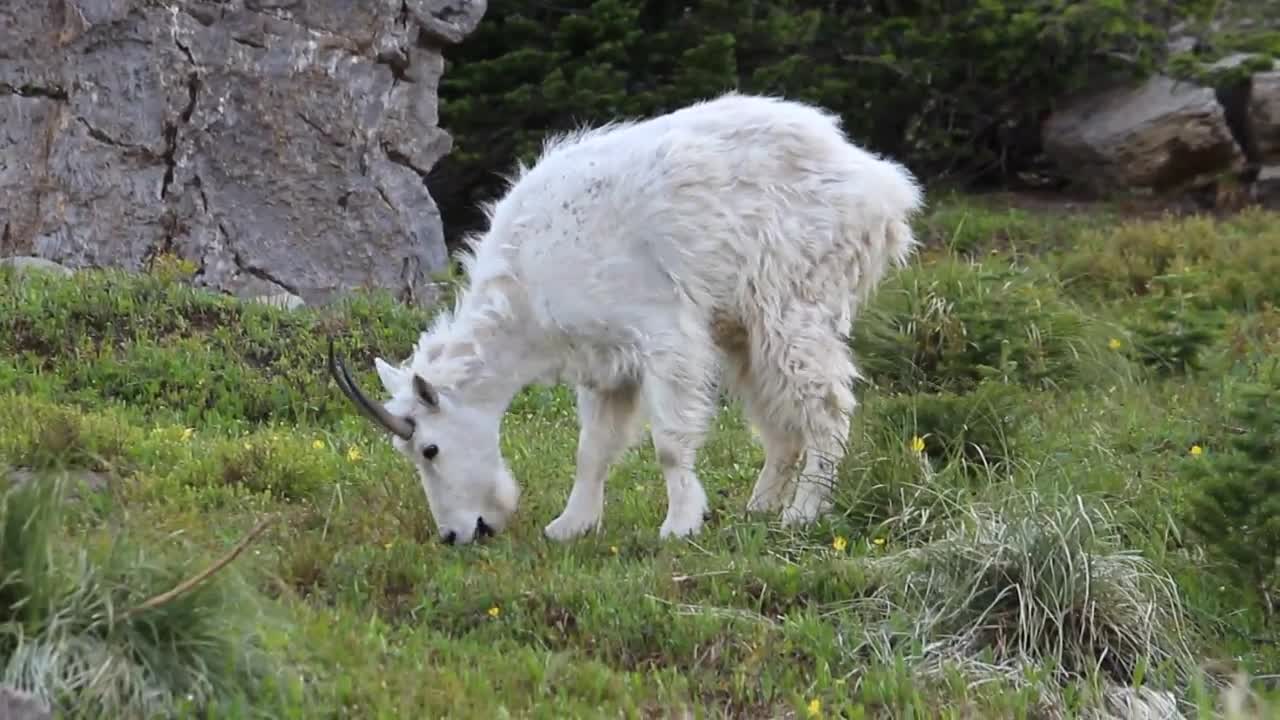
[
  {"x": 427, "y": 395},
  {"x": 393, "y": 378}
]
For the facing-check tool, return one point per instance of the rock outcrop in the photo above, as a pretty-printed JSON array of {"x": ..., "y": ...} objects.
[
  {"x": 1264, "y": 115},
  {"x": 280, "y": 145},
  {"x": 18, "y": 705},
  {"x": 22, "y": 264},
  {"x": 1166, "y": 134},
  {"x": 1159, "y": 134}
]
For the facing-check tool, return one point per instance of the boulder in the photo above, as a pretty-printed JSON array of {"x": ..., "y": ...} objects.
[
  {"x": 1266, "y": 190},
  {"x": 281, "y": 145},
  {"x": 284, "y": 300},
  {"x": 1160, "y": 135},
  {"x": 77, "y": 481},
  {"x": 20, "y": 705},
  {"x": 1128, "y": 703},
  {"x": 25, "y": 264},
  {"x": 1264, "y": 114}
]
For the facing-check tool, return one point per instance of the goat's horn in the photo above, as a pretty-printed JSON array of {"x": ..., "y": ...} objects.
[{"x": 399, "y": 427}]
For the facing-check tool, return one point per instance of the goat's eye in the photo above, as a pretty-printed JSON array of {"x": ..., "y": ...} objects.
[{"x": 430, "y": 451}]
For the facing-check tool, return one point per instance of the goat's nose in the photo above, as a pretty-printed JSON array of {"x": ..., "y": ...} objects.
[
  {"x": 449, "y": 537},
  {"x": 483, "y": 529}
]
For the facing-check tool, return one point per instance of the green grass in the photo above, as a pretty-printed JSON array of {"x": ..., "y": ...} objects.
[{"x": 1032, "y": 559}]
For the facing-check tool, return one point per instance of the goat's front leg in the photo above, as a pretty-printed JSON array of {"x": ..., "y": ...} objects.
[{"x": 610, "y": 423}]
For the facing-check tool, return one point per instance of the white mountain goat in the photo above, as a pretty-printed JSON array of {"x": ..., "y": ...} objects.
[{"x": 644, "y": 262}]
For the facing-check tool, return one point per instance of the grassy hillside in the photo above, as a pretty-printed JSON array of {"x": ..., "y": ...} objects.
[{"x": 1057, "y": 492}]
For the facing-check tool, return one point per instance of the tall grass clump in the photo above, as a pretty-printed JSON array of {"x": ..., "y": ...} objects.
[
  {"x": 950, "y": 325},
  {"x": 94, "y": 631},
  {"x": 1033, "y": 590}
]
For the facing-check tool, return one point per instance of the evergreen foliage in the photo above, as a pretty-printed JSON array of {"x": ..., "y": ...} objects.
[
  {"x": 957, "y": 90},
  {"x": 1236, "y": 506}
]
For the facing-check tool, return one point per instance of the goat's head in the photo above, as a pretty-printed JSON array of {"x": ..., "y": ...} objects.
[{"x": 455, "y": 447}]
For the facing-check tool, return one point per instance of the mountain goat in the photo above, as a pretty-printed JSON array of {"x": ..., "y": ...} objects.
[{"x": 646, "y": 262}]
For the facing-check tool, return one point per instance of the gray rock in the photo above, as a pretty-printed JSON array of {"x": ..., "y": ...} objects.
[
  {"x": 287, "y": 301},
  {"x": 24, "y": 263},
  {"x": 1264, "y": 114},
  {"x": 449, "y": 20},
  {"x": 1179, "y": 44},
  {"x": 1128, "y": 703},
  {"x": 1159, "y": 135},
  {"x": 1266, "y": 190},
  {"x": 76, "y": 480},
  {"x": 18, "y": 705},
  {"x": 1234, "y": 60},
  {"x": 281, "y": 145}
]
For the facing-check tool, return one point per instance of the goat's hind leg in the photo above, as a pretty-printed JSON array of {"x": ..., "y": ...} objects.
[
  {"x": 811, "y": 377},
  {"x": 610, "y": 423},
  {"x": 782, "y": 443},
  {"x": 678, "y": 392},
  {"x": 781, "y": 455},
  {"x": 827, "y": 412}
]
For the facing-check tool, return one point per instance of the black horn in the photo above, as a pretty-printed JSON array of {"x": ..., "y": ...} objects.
[{"x": 399, "y": 427}]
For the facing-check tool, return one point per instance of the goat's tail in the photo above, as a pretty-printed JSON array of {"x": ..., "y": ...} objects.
[
  {"x": 900, "y": 241},
  {"x": 899, "y": 197},
  {"x": 884, "y": 217}
]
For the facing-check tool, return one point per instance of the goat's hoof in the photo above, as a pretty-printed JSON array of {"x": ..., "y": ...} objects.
[
  {"x": 568, "y": 527},
  {"x": 681, "y": 527},
  {"x": 764, "y": 504},
  {"x": 794, "y": 517}
]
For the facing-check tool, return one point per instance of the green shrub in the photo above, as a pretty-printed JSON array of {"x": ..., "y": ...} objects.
[
  {"x": 1235, "y": 506},
  {"x": 1171, "y": 336},
  {"x": 288, "y": 469},
  {"x": 949, "y": 326},
  {"x": 1183, "y": 281},
  {"x": 924, "y": 455},
  {"x": 970, "y": 226},
  {"x": 157, "y": 345},
  {"x": 53, "y": 437},
  {"x": 979, "y": 430},
  {"x": 1215, "y": 263}
]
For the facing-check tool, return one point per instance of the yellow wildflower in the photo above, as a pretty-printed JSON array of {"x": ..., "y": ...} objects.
[
  {"x": 815, "y": 707},
  {"x": 1114, "y": 343},
  {"x": 613, "y": 549},
  {"x": 495, "y": 611},
  {"x": 879, "y": 542},
  {"x": 353, "y": 454},
  {"x": 187, "y": 433},
  {"x": 839, "y": 543},
  {"x": 318, "y": 444},
  {"x": 917, "y": 444},
  {"x": 248, "y": 445},
  {"x": 1197, "y": 450}
]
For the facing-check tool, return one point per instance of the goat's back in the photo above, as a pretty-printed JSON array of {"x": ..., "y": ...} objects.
[{"x": 724, "y": 205}]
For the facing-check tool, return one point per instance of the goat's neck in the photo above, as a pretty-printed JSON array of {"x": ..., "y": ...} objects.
[{"x": 490, "y": 328}]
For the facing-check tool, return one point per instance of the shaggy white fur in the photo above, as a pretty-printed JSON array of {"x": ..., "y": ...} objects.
[{"x": 643, "y": 262}]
